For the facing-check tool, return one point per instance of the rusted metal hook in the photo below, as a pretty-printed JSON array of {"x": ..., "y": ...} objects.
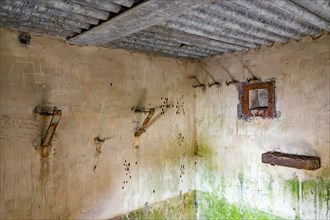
[
  {"x": 218, "y": 84},
  {"x": 233, "y": 81}
]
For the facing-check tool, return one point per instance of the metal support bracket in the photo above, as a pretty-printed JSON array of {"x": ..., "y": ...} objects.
[
  {"x": 56, "y": 116},
  {"x": 141, "y": 130}
]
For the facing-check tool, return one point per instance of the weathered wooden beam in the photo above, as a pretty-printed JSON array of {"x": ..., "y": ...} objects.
[
  {"x": 138, "y": 18},
  {"x": 291, "y": 160}
]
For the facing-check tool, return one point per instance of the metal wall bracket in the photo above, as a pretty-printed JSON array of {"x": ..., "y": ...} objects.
[
  {"x": 141, "y": 130},
  {"x": 56, "y": 116}
]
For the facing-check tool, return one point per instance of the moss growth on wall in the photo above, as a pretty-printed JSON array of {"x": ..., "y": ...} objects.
[
  {"x": 324, "y": 193},
  {"x": 180, "y": 207},
  {"x": 316, "y": 190},
  {"x": 202, "y": 150},
  {"x": 319, "y": 190},
  {"x": 293, "y": 186},
  {"x": 190, "y": 208},
  {"x": 210, "y": 206},
  {"x": 308, "y": 187}
]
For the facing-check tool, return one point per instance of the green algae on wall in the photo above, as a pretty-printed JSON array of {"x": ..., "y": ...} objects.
[
  {"x": 324, "y": 193},
  {"x": 314, "y": 190},
  {"x": 210, "y": 206},
  {"x": 203, "y": 150},
  {"x": 180, "y": 207},
  {"x": 321, "y": 188},
  {"x": 293, "y": 186},
  {"x": 318, "y": 190}
]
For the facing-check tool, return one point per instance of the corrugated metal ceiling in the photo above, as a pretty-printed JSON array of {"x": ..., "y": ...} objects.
[
  {"x": 59, "y": 18},
  {"x": 176, "y": 28}
]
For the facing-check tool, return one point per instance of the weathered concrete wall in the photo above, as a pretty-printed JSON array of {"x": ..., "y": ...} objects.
[
  {"x": 95, "y": 88},
  {"x": 229, "y": 150},
  {"x": 195, "y": 136}
]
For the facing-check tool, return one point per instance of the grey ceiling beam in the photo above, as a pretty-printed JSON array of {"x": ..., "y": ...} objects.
[{"x": 140, "y": 17}]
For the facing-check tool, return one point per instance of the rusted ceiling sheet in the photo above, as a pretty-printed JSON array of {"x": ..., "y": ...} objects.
[{"x": 191, "y": 29}]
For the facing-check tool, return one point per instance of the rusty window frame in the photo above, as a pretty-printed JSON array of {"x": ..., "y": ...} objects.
[{"x": 244, "y": 110}]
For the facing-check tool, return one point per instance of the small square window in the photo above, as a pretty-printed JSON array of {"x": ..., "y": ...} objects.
[{"x": 257, "y": 99}]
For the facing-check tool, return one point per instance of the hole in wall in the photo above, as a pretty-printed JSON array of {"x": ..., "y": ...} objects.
[
  {"x": 182, "y": 45},
  {"x": 24, "y": 38}
]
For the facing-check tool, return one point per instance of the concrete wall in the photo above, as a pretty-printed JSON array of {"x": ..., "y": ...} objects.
[
  {"x": 196, "y": 144},
  {"x": 95, "y": 88},
  {"x": 231, "y": 180}
]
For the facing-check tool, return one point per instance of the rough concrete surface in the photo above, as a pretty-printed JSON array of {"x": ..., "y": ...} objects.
[
  {"x": 96, "y": 89},
  {"x": 230, "y": 149}
]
